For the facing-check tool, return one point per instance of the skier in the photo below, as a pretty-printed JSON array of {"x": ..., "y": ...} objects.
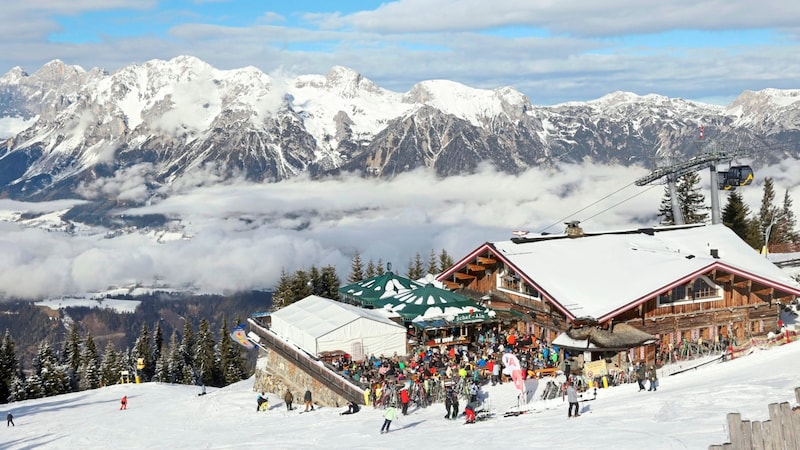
[
  {"x": 10, "y": 420},
  {"x": 307, "y": 400},
  {"x": 469, "y": 412},
  {"x": 389, "y": 415},
  {"x": 124, "y": 403},
  {"x": 572, "y": 398},
  {"x": 352, "y": 408},
  {"x": 260, "y": 400},
  {"x": 473, "y": 392},
  {"x": 454, "y": 403},
  {"x": 404, "y": 399},
  {"x": 448, "y": 400}
]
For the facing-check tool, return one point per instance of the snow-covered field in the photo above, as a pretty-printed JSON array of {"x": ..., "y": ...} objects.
[{"x": 687, "y": 412}]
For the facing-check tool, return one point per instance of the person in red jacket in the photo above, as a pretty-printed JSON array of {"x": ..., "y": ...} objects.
[
  {"x": 124, "y": 403},
  {"x": 404, "y": 399}
]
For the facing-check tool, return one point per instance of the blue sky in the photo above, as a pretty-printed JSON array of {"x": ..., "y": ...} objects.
[{"x": 570, "y": 50}]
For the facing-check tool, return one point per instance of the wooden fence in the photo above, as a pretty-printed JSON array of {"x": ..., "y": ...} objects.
[{"x": 780, "y": 432}]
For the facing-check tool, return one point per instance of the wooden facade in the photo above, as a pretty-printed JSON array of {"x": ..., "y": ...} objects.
[
  {"x": 536, "y": 315},
  {"x": 715, "y": 305}
]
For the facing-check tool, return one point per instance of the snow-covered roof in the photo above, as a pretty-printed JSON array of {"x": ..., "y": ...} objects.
[
  {"x": 601, "y": 275},
  {"x": 317, "y": 324},
  {"x": 318, "y": 316}
]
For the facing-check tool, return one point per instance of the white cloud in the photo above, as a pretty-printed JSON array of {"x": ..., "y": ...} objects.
[
  {"x": 243, "y": 234},
  {"x": 129, "y": 184},
  {"x": 552, "y": 51}
]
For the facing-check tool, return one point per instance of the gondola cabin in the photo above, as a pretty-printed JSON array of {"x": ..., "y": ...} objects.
[{"x": 736, "y": 176}]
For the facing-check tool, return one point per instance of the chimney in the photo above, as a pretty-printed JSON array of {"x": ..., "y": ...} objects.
[
  {"x": 573, "y": 229},
  {"x": 715, "y": 253}
]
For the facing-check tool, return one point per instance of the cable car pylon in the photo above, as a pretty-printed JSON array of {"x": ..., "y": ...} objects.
[{"x": 736, "y": 176}]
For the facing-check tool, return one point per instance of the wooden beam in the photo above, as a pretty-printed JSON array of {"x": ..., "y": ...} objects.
[
  {"x": 475, "y": 268},
  {"x": 764, "y": 291},
  {"x": 463, "y": 276},
  {"x": 451, "y": 284},
  {"x": 485, "y": 261},
  {"x": 724, "y": 278}
]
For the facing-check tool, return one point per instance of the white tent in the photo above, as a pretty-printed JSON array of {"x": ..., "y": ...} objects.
[{"x": 317, "y": 324}]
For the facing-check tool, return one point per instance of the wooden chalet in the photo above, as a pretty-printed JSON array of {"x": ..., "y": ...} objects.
[{"x": 673, "y": 283}]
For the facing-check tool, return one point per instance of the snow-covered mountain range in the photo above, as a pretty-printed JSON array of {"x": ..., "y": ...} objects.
[{"x": 168, "y": 121}]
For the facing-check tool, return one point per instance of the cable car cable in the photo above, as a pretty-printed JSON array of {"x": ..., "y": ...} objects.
[
  {"x": 617, "y": 204},
  {"x": 587, "y": 206}
]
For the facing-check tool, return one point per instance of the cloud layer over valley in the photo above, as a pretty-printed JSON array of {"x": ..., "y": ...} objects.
[{"x": 237, "y": 236}]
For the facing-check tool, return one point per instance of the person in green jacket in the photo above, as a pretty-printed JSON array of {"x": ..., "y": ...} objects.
[{"x": 389, "y": 415}]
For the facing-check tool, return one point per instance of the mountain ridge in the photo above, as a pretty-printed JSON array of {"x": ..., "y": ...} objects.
[{"x": 170, "y": 118}]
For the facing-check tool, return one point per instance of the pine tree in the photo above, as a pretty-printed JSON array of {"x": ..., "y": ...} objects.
[
  {"x": 158, "y": 341},
  {"x": 433, "y": 263},
  {"x": 161, "y": 373},
  {"x": 9, "y": 365},
  {"x": 143, "y": 352},
  {"x": 315, "y": 279},
  {"x": 356, "y": 269},
  {"x": 330, "y": 283},
  {"x": 370, "y": 269},
  {"x": 53, "y": 377},
  {"x": 109, "y": 366},
  {"x": 33, "y": 386},
  {"x": 665, "y": 208},
  {"x": 301, "y": 285},
  {"x": 204, "y": 357},
  {"x": 283, "y": 294},
  {"x": 232, "y": 363},
  {"x": 187, "y": 375},
  {"x": 767, "y": 213},
  {"x": 379, "y": 268},
  {"x": 416, "y": 268},
  {"x": 736, "y": 216},
  {"x": 72, "y": 348},
  {"x": 445, "y": 261},
  {"x": 690, "y": 200},
  {"x": 175, "y": 361},
  {"x": 17, "y": 389},
  {"x": 790, "y": 222},
  {"x": 90, "y": 375}
]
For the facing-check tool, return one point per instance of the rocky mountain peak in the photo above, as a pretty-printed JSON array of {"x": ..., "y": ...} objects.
[
  {"x": 347, "y": 82},
  {"x": 172, "y": 117}
]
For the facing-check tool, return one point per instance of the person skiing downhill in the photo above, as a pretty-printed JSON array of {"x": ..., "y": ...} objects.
[
  {"x": 389, "y": 416},
  {"x": 123, "y": 403}
]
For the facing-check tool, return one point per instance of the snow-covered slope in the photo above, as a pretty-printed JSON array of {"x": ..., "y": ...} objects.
[{"x": 687, "y": 411}]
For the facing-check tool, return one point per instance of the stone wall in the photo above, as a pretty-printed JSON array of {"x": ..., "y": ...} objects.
[{"x": 274, "y": 374}]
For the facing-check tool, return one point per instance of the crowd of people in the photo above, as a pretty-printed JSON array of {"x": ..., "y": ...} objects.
[{"x": 433, "y": 374}]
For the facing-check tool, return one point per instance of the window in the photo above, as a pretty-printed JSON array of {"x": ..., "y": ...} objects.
[
  {"x": 704, "y": 288},
  {"x": 699, "y": 289},
  {"x": 512, "y": 283},
  {"x": 530, "y": 290}
]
